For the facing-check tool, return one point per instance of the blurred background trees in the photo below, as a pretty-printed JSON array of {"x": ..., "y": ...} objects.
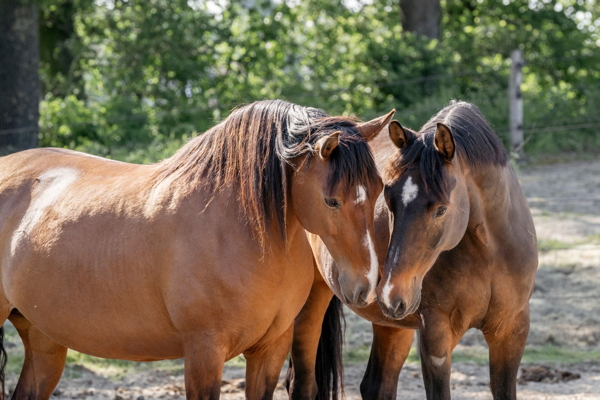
[{"x": 133, "y": 79}]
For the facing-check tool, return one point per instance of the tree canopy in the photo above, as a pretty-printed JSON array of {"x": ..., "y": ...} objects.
[{"x": 132, "y": 79}]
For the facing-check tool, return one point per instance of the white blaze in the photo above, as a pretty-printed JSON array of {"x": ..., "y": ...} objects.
[
  {"x": 385, "y": 293},
  {"x": 387, "y": 289},
  {"x": 361, "y": 195},
  {"x": 51, "y": 187},
  {"x": 373, "y": 273},
  {"x": 396, "y": 256},
  {"x": 409, "y": 191}
]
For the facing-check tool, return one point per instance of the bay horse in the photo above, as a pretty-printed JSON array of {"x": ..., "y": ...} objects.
[
  {"x": 460, "y": 252},
  {"x": 202, "y": 256}
]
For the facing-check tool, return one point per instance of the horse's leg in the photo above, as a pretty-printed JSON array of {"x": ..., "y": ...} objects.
[
  {"x": 506, "y": 349},
  {"x": 203, "y": 365},
  {"x": 388, "y": 352},
  {"x": 437, "y": 339},
  {"x": 44, "y": 361},
  {"x": 263, "y": 365},
  {"x": 302, "y": 383}
]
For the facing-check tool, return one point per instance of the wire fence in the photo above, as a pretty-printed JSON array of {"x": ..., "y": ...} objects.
[{"x": 531, "y": 127}]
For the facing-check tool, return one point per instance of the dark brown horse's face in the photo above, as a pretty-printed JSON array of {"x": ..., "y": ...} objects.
[
  {"x": 423, "y": 226},
  {"x": 343, "y": 219}
]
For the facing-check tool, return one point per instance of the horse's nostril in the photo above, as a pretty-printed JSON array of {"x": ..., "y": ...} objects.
[
  {"x": 400, "y": 308},
  {"x": 345, "y": 298},
  {"x": 360, "y": 295}
]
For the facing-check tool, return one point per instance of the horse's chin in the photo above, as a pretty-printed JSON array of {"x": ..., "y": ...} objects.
[
  {"x": 415, "y": 303},
  {"x": 414, "y": 307},
  {"x": 361, "y": 303}
]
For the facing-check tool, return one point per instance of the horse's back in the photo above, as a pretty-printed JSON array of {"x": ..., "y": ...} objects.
[{"x": 42, "y": 185}]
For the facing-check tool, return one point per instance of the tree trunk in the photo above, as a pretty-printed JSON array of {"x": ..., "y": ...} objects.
[
  {"x": 19, "y": 78},
  {"x": 422, "y": 17}
]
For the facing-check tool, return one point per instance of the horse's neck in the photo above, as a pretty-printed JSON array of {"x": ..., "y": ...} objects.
[
  {"x": 489, "y": 200},
  {"x": 294, "y": 231}
]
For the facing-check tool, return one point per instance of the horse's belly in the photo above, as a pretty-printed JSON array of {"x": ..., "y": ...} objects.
[
  {"x": 120, "y": 337},
  {"x": 133, "y": 348},
  {"x": 108, "y": 315}
]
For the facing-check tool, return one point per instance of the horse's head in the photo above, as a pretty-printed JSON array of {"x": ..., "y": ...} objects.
[
  {"x": 428, "y": 199},
  {"x": 334, "y": 195}
]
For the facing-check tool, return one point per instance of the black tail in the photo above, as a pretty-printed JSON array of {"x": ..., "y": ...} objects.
[
  {"x": 329, "y": 367},
  {"x": 2, "y": 360}
]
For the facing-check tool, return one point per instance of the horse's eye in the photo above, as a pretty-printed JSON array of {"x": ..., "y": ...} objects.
[
  {"x": 333, "y": 203},
  {"x": 440, "y": 211}
]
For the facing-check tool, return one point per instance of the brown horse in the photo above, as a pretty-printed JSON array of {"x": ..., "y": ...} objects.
[
  {"x": 202, "y": 256},
  {"x": 462, "y": 254}
]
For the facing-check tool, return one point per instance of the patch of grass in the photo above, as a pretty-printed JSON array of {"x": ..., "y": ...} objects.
[
  {"x": 551, "y": 244},
  {"x": 361, "y": 355},
  {"x": 544, "y": 158},
  {"x": 554, "y": 354},
  {"x": 594, "y": 238},
  {"x": 358, "y": 355},
  {"x": 116, "y": 369},
  {"x": 479, "y": 355},
  {"x": 14, "y": 350},
  {"x": 533, "y": 354},
  {"x": 14, "y": 362},
  {"x": 238, "y": 361},
  {"x": 476, "y": 354}
]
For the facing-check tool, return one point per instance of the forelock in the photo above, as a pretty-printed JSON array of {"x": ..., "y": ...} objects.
[{"x": 420, "y": 154}]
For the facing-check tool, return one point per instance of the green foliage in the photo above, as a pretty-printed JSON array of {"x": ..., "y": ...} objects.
[
  {"x": 545, "y": 245},
  {"x": 133, "y": 80}
]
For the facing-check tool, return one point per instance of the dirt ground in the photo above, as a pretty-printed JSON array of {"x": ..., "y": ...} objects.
[{"x": 565, "y": 312}]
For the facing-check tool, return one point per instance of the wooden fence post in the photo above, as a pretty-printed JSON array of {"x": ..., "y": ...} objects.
[{"x": 516, "y": 103}]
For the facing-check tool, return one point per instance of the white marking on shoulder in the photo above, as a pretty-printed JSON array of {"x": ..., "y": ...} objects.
[
  {"x": 385, "y": 293},
  {"x": 361, "y": 195},
  {"x": 438, "y": 361},
  {"x": 51, "y": 187},
  {"x": 373, "y": 273},
  {"x": 409, "y": 191}
]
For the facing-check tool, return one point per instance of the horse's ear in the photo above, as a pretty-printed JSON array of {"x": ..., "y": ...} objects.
[
  {"x": 326, "y": 145},
  {"x": 444, "y": 141},
  {"x": 399, "y": 135},
  {"x": 370, "y": 129}
]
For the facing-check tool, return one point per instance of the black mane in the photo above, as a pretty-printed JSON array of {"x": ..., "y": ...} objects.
[
  {"x": 251, "y": 150},
  {"x": 476, "y": 144}
]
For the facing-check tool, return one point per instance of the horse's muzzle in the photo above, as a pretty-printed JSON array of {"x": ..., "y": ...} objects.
[{"x": 399, "y": 309}]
